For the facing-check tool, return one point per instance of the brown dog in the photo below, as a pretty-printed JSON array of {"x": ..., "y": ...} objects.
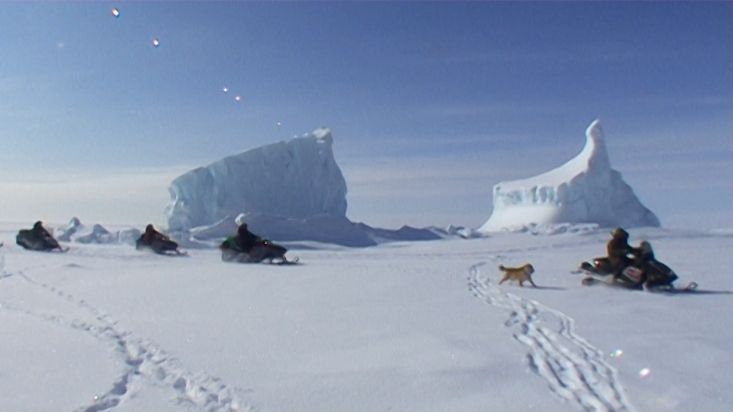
[{"x": 520, "y": 274}]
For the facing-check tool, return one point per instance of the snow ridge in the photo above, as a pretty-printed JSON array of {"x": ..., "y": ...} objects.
[
  {"x": 144, "y": 361},
  {"x": 574, "y": 369}
]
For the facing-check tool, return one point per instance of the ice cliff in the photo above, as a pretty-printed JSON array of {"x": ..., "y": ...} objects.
[
  {"x": 287, "y": 191},
  {"x": 584, "y": 190},
  {"x": 293, "y": 179}
]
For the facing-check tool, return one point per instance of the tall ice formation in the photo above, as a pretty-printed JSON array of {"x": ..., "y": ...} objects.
[
  {"x": 584, "y": 190},
  {"x": 295, "y": 179},
  {"x": 287, "y": 191}
]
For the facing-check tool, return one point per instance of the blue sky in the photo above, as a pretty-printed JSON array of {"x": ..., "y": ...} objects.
[{"x": 430, "y": 103}]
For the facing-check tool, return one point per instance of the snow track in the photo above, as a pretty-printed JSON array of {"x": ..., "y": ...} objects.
[
  {"x": 144, "y": 362},
  {"x": 574, "y": 369}
]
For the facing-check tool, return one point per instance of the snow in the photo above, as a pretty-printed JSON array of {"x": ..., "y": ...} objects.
[
  {"x": 583, "y": 190},
  {"x": 418, "y": 326}
]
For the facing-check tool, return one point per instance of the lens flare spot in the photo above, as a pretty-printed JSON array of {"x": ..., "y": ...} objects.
[
  {"x": 225, "y": 89},
  {"x": 644, "y": 372},
  {"x": 237, "y": 98},
  {"x": 617, "y": 353}
]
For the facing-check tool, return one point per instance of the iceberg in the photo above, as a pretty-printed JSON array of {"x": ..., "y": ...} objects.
[
  {"x": 291, "y": 179},
  {"x": 287, "y": 191},
  {"x": 584, "y": 190}
]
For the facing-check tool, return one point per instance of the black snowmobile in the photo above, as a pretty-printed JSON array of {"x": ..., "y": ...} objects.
[
  {"x": 159, "y": 246},
  {"x": 158, "y": 243},
  {"x": 651, "y": 275},
  {"x": 262, "y": 251},
  {"x": 37, "y": 239}
]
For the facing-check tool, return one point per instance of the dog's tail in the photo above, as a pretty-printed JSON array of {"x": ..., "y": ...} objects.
[{"x": 501, "y": 267}]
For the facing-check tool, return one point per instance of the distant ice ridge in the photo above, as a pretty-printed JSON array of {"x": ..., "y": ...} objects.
[
  {"x": 551, "y": 229},
  {"x": 76, "y": 231},
  {"x": 584, "y": 190},
  {"x": 287, "y": 191}
]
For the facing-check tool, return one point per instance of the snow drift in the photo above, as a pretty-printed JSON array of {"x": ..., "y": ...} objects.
[
  {"x": 584, "y": 190},
  {"x": 288, "y": 191},
  {"x": 423, "y": 326}
]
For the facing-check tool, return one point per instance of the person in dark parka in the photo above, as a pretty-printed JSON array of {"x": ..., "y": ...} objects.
[
  {"x": 618, "y": 250},
  {"x": 156, "y": 241},
  {"x": 37, "y": 238}
]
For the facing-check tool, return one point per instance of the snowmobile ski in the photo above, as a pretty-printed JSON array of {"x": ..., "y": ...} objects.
[
  {"x": 263, "y": 251},
  {"x": 285, "y": 262},
  {"x": 690, "y": 287},
  {"x": 595, "y": 281},
  {"x": 170, "y": 253},
  {"x": 176, "y": 253}
]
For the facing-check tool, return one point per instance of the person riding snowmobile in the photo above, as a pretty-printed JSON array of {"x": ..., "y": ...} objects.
[
  {"x": 633, "y": 268},
  {"x": 245, "y": 239},
  {"x": 40, "y": 232},
  {"x": 620, "y": 256},
  {"x": 245, "y": 247},
  {"x": 657, "y": 274},
  {"x": 618, "y": 250},
  {"x": 242, "y": 242},
  {"x": 156, "y": 241},
  {"x": 37, "y": 238}
]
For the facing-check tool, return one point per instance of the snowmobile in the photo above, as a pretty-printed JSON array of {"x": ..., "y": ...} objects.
[
  {"x": 651, "y": 275},
  {"x": 160, "y": 246},
  {"x": 263, "y": 250},
  {"x": 28, "y": 240}
]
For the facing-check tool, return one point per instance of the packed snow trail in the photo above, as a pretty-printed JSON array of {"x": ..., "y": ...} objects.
[
  {"x": 573, "y": 368},
  {"x": 144, "y": 362}
]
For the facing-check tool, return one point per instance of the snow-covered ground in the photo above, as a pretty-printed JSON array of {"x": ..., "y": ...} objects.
[{"x": 419, "y": 326}]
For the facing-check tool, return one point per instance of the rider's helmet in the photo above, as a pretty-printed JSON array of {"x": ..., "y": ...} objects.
[{"x": 619, "y": 232}]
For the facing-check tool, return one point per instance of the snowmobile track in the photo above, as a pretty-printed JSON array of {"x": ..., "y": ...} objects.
[
  {"x": 574, "y": 369},
  {"x": 144, "y": 362}
]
